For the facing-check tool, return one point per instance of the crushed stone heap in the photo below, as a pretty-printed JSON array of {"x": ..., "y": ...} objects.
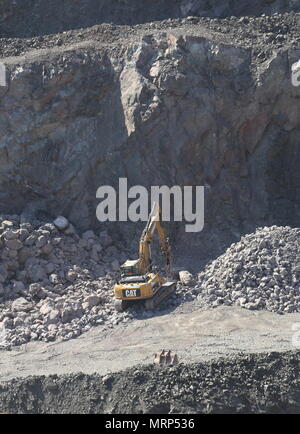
[{"x": 261, "y": 271}]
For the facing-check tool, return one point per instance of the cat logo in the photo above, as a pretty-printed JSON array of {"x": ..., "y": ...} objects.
[{"x": 130, "y": 292}]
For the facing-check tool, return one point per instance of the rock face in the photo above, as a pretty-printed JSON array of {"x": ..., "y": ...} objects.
[
  {"x": 170, "y": 106},
  {"x": 57, "y": 15}
]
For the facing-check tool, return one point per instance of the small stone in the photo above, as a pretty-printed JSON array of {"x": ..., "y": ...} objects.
[
  {"x": 54, "y": 278},
  {"x": 70, "y": 230},
  {"x": 53, "y": 317},
  {"x": 91, "y": 301},
  {"x": 41, "y": 241},
  {"x": 61, "y": 223},
  {"x": 30, "y": 240},
  {"x": 18, "y": 287},
  {"x": 186, "y": 278},
  {"x": 10, "y": 235},
  {"x": 52, "y": 328},
  {"x": 14, "y": 244},
  {"x": 7, "y": 224},
  {"x": 88, "y": 235},
  {"x": 105, "y": 239},
  {"x": 56, "y": 241},
  {"x": 34, "y": 289},
  {"x": 71, "y": 276},
  {"x": 21, "y": 305},
  {"x": 67, "y": 315},
  {"x": 50, "y": 267},
  {"x": 47, "y": 249}
]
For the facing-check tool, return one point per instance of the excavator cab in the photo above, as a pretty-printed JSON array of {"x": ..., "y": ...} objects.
[{"x": 130, "y": 268}]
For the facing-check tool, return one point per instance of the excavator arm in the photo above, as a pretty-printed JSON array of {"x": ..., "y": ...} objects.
[{"x": 153, "y": 224}]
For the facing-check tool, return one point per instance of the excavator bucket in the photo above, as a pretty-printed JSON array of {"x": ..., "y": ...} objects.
[{"x": 166, "y": 358}]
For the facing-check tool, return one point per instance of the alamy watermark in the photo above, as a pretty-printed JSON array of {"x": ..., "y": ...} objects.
[
  {"x": 296, "y": 74},
  {"x": 296, "y": 335},
  {"x": 187, "y": 201},
  {"x": 2, "y": 335},
  {"x": 3, "y": 75}
]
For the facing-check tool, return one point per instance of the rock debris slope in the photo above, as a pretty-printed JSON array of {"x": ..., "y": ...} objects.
[
  {"x": 39, "y": 17},
  {"x": 55, "y": 284},
  {"x": 241, "y": 384}
]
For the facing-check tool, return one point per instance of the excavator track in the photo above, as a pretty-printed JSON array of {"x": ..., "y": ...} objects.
[
  {"x": 162, "y": 294},
  {"x": 121, "y": 305},
  {"x": 165, "y": 291}
]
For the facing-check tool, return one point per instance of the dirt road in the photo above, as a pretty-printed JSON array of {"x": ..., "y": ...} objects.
[{"x": 195, "y": 334}]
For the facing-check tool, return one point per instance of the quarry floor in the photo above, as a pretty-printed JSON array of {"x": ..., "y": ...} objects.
[{"x": 195, "y": 333}]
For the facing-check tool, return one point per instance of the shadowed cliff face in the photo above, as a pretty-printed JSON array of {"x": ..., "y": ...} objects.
[
  {"x": 40, "y": 17},
  {"x": 173, "y": 110}
]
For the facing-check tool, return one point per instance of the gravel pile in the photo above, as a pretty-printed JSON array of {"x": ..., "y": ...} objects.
[
  {"x": 261, "y": 271},
  {"x": 241, "y": 384}
]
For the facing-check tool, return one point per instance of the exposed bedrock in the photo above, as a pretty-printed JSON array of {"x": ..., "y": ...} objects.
[{"x": 173, "y": 110}]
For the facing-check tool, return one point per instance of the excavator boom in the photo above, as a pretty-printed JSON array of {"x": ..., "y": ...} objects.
[{"x": 154, "y": 224}]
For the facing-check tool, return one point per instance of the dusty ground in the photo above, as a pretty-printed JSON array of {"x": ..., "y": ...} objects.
[{"x": 195, "y": 334}]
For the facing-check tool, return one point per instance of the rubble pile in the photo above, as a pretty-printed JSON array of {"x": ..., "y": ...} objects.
[
  {"x": 261, "y": 271},
  {"x": 263, "y": 34},
  {"x": 54, "y": 284}
]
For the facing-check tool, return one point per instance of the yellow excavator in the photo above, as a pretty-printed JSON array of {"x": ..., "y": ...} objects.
[{"x": 139, "y": 281}]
